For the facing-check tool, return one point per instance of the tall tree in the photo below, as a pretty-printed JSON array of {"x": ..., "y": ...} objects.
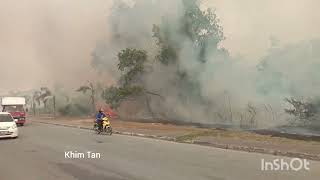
[
  {"x": 199, "y": 27},
  {"x": 191, "y": 25}
]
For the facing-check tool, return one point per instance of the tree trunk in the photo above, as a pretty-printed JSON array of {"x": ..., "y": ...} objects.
[
  {"x": 149, "y": 107},
  {"x": 33, "y": 107},
  {"x": 93, "y": 101},
  {"x": 54, "y": 107}
]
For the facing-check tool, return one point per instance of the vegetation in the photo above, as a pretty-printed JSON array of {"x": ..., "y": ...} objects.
[
  {"x": 43, "y": 96},
  {"x": 304, "y": 112},
  {"x": 199, "y": 27},
  {"x": 74, "y": 109},
  {"x": 92, "y": 90},
  {"x": 131, "y": 64}
]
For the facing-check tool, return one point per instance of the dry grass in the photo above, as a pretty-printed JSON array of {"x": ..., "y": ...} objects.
[{"x": 241, "y": 135}]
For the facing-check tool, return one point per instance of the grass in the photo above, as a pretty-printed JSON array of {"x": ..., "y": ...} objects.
[
  {"x": 240, "y": 135},
  {"x": 194, "y": 135}
]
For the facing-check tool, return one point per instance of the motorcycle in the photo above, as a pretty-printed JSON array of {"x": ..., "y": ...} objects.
[{"x": 106, "y": 127}]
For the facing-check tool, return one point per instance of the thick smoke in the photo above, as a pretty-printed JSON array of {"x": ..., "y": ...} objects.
[
  {"x": 50, "y": 42},
  {"x": 232, "y": 88}
]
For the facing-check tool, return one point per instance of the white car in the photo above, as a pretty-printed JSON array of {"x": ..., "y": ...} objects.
[{"x": 8, "y": 126}]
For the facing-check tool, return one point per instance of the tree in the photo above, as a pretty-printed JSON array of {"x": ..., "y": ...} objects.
[
  {"x": 202, "y": 28},
  {"x": 42, "y": 96},
  {"x": 199, "y": 28},
  {"x": 131, "y": 64},
  {"x": 92, "y": 90},
  {"x": 45, "y": 94},
  {"x": 303, "y": 111},
  {"x": 115, "y": 95},
  {"x": 168, "y": 53}
]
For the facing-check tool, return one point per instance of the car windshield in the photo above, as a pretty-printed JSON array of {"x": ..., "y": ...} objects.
[
  {"x": 5, "y": 118},
  {"x": 13, "y": 108}
]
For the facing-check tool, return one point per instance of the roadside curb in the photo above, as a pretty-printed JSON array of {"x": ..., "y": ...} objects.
[{"x": 216, "y": 145}]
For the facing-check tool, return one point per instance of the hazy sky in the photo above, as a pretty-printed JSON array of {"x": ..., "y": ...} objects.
[
  {"x": 42, "y": 41},
  {"x": 248, "y": 24}
]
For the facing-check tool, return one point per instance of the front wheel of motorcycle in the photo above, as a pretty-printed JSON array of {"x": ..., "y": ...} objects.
[
  {"x": 108, "y": 130},
  {"x": 96, "y": 130}
]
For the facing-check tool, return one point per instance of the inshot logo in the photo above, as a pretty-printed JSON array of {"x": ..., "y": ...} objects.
[{"x": 294, "y": 164}]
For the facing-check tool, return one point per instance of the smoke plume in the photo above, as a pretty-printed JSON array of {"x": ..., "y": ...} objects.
[
  {"x": 233, "y": 86},
  {"x": 270, "y": 52}
]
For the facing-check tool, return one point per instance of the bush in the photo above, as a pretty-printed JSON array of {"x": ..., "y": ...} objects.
[
  {"x": 304, "y": 112},
  {"x": 74, "y": 109}
]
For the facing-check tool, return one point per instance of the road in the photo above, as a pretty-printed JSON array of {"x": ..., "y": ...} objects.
[{"x": 39, "y": 154}]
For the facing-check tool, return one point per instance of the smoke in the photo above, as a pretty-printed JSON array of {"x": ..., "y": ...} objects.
[
  {"x": 232, "y": 87},
  {"x": 58, "y": 42},
  {"x": 249, "y": 24},
  {"x": 291, "y": 70},
  {"x": 49, "y": 42}
]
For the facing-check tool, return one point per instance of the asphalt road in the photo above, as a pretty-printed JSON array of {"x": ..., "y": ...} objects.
[{"x": 39, "y": 154}]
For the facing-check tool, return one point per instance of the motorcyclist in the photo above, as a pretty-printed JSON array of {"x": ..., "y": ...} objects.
[{"x": 100, "y": 115}]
